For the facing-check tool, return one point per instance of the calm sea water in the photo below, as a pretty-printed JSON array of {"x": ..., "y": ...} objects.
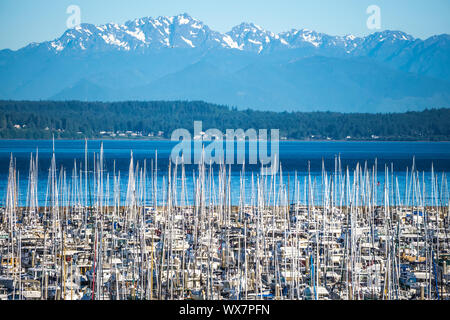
[{"x": 294, "y": 157}]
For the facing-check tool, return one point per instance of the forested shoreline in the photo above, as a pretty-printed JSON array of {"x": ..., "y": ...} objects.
[{"x": 157, "y": 120}]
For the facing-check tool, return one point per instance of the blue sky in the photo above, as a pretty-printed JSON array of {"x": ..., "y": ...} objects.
[{"x": 25, "y": 21}]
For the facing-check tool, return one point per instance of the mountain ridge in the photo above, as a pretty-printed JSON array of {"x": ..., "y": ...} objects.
[
  {"x": 159, "y": 32},
  {"x": 130, "y": 60}
]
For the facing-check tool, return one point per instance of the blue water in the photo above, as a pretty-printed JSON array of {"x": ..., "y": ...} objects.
[{"x": 294, "y": 157}]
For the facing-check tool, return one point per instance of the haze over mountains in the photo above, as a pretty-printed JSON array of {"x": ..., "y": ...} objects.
[{"x": 181, "y": 58}]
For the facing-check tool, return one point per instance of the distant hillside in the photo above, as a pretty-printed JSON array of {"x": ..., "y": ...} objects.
[
  {"x": 157, "y": 119},
  {"x": 181, "y": 58}
]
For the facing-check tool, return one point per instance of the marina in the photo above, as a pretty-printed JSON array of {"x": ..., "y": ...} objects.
[
  {"x": 347, "y": 233},
  {"x": 246, "y": 160}
]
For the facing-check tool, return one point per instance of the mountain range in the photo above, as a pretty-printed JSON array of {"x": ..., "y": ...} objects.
[{"x": 181, "y": 58}]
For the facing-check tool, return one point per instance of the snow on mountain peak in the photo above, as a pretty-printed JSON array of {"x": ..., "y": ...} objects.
[{"x": 183, "y": 31}]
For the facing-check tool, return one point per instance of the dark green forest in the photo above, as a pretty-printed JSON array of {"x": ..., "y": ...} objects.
[{"x": 157, "y": 119}]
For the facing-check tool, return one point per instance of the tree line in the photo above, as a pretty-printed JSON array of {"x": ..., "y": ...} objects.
[{"x": 77, "y": 120}]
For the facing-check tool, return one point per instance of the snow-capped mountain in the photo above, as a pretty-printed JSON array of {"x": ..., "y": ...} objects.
[
  {"x": 183, "y": 31},
  {"x": 180, "y": 57},
  {"x": 251, "y": 37}
]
